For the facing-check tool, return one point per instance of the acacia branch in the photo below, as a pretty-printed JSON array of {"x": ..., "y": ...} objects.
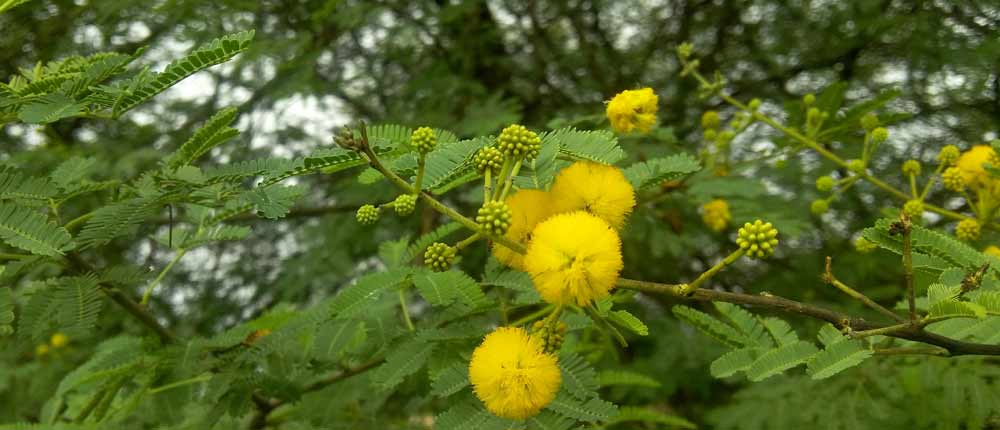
[{"x": 840, "y": 320}]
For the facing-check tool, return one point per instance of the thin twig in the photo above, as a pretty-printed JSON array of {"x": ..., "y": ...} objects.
[{"x": 832, "y": 280}]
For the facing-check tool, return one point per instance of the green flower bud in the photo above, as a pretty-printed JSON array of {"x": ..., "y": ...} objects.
[
  {"x": 819, "y": 207},
  {"x": 914, "y": 209},
  {"x": 710, "y": 135},
  {"x": 856, "y": 166},
  {"x": 345, "y": 139},
  {"x": 825, "y": 183},
  {"x": 423, "y": 140},
  {"x": 780, "y": 163},
  {"x": 488, "y": 158},
  {"x": 494, "y": 217},
  {"x": 758, "y": 240},
  {"x": 809, "y": 99},
  {"x": 724, "y": 138},
  {"x": 684, "y": 50},
  {"x": 367, "y": 215},
  {"x": 911, "y": 167},
  {"x": 869, "y": 121},
  {"x": 968, "y": 230},
  {"x": 949, "y": 155},
  {"x": 710, "y": 120},
  {"x": 439, "y": 256},
  {"x": 813, "y": 116},
  {"x": 404, "y": 204},
  {"x": 863, "y": 245},
  {"x": 953, "y": 179},
  {"x": 518, "y": 142},
  {"x": 551, "y": 334},
  {"x": 880, "y": 134},
  {"x": 754, "y": 104}
]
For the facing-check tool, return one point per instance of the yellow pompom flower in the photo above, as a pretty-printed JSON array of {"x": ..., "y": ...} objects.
[
  {"x": 528, "y": 208},
  {"x": 715, "y": 214},
  {"x": 574, "y": 258},
  {"x": 596, "y": 188},
  {"x": 511, "y": 374},
  {"x": 633, "y": 110},
  {"x": 59, "y": 340},
  {"x": 992, "y": 250},
  {"x": 971, "y": 165}
]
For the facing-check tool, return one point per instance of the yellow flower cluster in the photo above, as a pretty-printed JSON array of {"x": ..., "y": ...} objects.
[
  {"x": 574, "y": 258},
  {"x": 596, "y": 188},
  {"x": 574, "y": 252},
  {"x": 715, "y": 214},
  {"x": 528, "y": 208},
  {"x": 633, "y": 110},
  {"x": 512, "y": 375},
  {"x": 971, "y": 165}
]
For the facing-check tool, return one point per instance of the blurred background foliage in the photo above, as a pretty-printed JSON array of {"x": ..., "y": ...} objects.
[{"x": 474, "y": 66}]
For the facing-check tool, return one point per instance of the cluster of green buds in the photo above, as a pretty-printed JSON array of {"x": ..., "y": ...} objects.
[
  {"x": 367, "y": 214},
  {"x": 488, "y": 158},
  {"x": 440, "y": 256},
  {"x": 718, "y": 140},
  {"x": 551, "y": 333},
  {"x": 423, "y": 140},
  {"x": 517, "y": 142},
  {"x": 404, "y": 204},
  {"x": 494, "y": 217},
  {"x": 914, "y": 209},
  {"x": 968, "y": 230},
  {"x": 864, "y": 246},
  {"x": 758, "y": 240}
]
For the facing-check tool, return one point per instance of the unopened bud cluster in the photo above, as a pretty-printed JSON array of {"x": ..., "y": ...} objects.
[
  {"x": 404, "y": 204},
  {"x": 758, "y": 240},
  {"x": 494, "y": 217},
  {"x": 551, "y": 335},
  {"x": 517, "y": 141},
  {"x": 423, "y": 140},
  {"x": 488, "y": 158},
  {"x": 914, "y": 209},
  {"x": 439, "y": 256},
  {"x": 968, "y": 230},
  {"x": 367, "y": 214}
]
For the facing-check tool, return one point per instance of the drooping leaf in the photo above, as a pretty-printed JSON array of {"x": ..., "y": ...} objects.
[
  {"x": 50, "y": 108},
  {"x": 836, "y": 358},
  {"x": 653, "y": 172},
  {"x": 780, "y": 359}
]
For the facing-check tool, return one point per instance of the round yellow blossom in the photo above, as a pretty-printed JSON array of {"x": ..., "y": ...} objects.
[
  {"x": 59, "y": 340},
  {"x": 633, "y": 110},
  {"x": 574, "y": 258},
  {"x": 41, "y": 350},
  {"x": 992, "y": 250},
  {"x": 528, "y": 208},
  {"x": 596, "y": 188},
  {"x": 968, "y": 230},
  {"x": 715, "y": 214},
  {"x": 971, "y": 165},
  {"x": 511, "y": 374}
]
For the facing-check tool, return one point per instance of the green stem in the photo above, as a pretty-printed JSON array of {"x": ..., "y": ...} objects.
[
  {"x": 441, "y": 207},
  {"x": 468, "y": 241},
  {"x": 7, "y": 256},
  {"x": 510, "y": 179},
  {"x": 913, "y": 186},
  {"x": 406, "y": 312},
  {"x": 418, "y": 183},
  {"x": 882, "y": 331},
  {"x": 504, "y": 171},
  {"x": 73, "y": 223},
  {"x": 931, "y": 181},
  {"x": 181, "y": 383},
  {"x": 149, "y": 290},
  {"x": 708, "y": 274},
  {"x": 908, "y": 269},
  {"x": 487, "y": 184},
  {"x": 533, "y": 316}
]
